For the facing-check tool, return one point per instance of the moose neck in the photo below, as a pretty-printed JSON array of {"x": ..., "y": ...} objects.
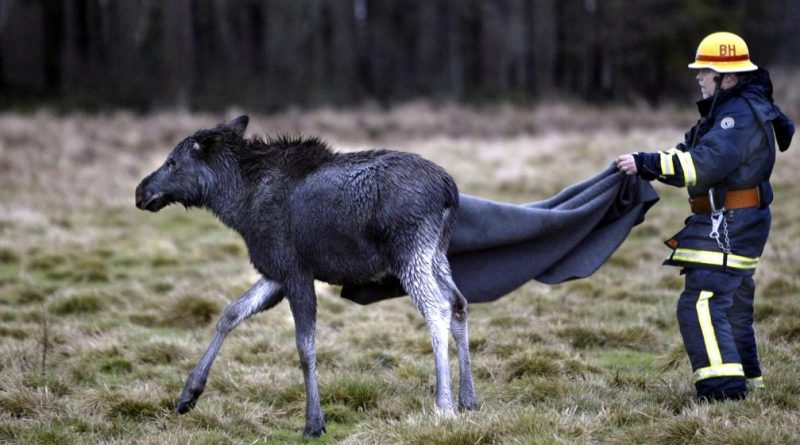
[
  {"x": 226, "y": 197},
  {"x": 239, "y": 198},
  {"x": 257, "y": 178}
]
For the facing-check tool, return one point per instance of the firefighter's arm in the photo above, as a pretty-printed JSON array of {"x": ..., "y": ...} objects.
[
  {"x": 671, "y": 167},
  {"x": 644, "y": 165},
  {"x": 718, "y": 152},
  {"x": 648, "y": 166}
]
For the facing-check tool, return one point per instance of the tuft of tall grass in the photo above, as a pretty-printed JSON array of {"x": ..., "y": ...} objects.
[
  {"x": 40, "y": 433},
  {"x": 533, "y": 389},
  {"x": 787, "y": 330},
  {"x": 223, "y": 421},
  {"x": 20, "y": 401},
  {"x": 8, "y": 255},
  {"x": 359, "y": 393},
  {"x": 25, "y": 293},
  {"x": 102, "y": 363},
  {"x": 82, "y": 303},
  {"x": 11, "y": 332},
  {"x": 375, "y": 361},
  {"x": 135, "y": 409},
  {"x": 9, "y": 267},
  {"x": 635, "y": 337},
  {"x": 674, "y": 358},
  {"x": 290, "y": 397},
  {"x": 160, "y": 353},
  {"x": 123, "y": 407},
  {"x": 546, "y": 363},
  {"x": 190, "y": 312},
  {"x": 779, "y": 287}
]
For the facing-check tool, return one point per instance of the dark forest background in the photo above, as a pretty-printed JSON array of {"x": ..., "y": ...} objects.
[{"x": 271, "y": 54}]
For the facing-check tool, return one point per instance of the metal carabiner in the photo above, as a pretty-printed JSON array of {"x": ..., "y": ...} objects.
[
  {"x": 716, "y": 220},
  {"x": 711, "y": 200}
]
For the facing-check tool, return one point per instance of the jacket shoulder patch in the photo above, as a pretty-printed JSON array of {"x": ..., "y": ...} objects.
[{"x": 727, "y": 122}]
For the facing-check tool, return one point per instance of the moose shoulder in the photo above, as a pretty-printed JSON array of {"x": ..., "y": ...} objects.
[{"x": 305, "y": 213}]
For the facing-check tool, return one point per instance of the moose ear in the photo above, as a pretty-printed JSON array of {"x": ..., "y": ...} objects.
[
  {"x": 207, "y": 142},
  {"x": 238, "y": 125}
]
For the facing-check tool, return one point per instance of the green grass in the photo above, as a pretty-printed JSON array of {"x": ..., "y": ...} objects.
[
  {"x": 77, "y": 304},
  {"x": 105, "y": 309}
]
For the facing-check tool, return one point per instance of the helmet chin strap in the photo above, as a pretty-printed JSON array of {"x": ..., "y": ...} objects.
[{"x": 718, "y": 83}]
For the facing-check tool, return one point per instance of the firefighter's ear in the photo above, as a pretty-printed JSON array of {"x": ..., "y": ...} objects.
[{"x": 239, "y": 125}]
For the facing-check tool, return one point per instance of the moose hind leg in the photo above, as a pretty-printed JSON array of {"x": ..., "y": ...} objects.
[
  {"x": 303, "y": 304},
  {"x": 262, "y": 296},
  {"x": 419, "y": 282},
  {"x": 467, "y": 400}
]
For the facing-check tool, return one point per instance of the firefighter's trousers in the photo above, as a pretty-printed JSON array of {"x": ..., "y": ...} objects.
[{"x": 715, "y": 314}]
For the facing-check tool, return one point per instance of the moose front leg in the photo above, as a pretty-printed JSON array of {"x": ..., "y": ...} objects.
[
  {"x": 262, "y": 296},
  {"x": 303, "y": 303}
]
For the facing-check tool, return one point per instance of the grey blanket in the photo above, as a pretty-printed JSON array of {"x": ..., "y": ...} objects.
[{"x": 497, "y": 247}]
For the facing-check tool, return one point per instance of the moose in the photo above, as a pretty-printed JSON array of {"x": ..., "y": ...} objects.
[{"x": 309, "y": 213}]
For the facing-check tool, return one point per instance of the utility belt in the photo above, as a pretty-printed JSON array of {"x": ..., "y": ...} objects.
[{"x": 734, "y": 199}]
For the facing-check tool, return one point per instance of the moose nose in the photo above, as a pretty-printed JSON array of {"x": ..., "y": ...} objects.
[
  {"x": 147, "y": 199},
  {"x": 143, "y": 196}
]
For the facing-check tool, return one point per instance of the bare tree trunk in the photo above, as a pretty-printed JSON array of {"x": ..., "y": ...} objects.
[
  {"x": 341, "y": 51},
  {"x": 455, "y": 56},
  {"x": 315, "y": 49},
  {"x": 494, "y": 54},
  {"x": 69, "y": 50},
  {"x": 178, "y": 47},
  {"x": 22, "y": 45},
  {"x": 544, "y": 48},
  {"x": 516, "y": 42}
]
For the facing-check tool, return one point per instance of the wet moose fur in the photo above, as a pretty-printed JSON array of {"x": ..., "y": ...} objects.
[{"x": 305, "y": 213}]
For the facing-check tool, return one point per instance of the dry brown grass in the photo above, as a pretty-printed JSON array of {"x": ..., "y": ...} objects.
[{"x": 128, "y": 298}]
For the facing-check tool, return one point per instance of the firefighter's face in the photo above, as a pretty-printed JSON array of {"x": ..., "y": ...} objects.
[{"x": 705, "y": 78}]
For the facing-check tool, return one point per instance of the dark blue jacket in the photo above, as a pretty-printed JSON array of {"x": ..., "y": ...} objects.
[{"x": 734, "y": 149}]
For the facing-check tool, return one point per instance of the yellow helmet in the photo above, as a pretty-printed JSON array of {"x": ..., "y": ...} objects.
[{"x": 723, "y": 52}]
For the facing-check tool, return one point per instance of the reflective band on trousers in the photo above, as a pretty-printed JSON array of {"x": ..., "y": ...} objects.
[
  {"x": 723, "y": 370},
  {"x": 755, "y": 382},
  {"x": 707, "y": 328},
  {"x": 714, "y": 258},
  {"x": 716, "y": 368}
]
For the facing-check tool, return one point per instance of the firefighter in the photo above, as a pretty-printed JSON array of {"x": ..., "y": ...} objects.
[{"x": 725, "y": 162}]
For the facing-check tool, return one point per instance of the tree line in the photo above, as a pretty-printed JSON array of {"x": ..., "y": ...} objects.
[{"x": 271, "y": 54}]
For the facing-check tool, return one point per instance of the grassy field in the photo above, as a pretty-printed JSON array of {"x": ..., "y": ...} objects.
[{"x": 104, "y": 309}]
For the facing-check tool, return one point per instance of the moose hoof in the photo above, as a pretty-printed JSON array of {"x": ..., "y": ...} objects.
[
  {"x": 191, "y": 392},
  {"x": 313, "y": 431},
  {"x": 468, "y": 406},
  {"x": 184, "y": 406},
  {"x": 446, "y": 413},
  {"x": 188, "y": 400}
]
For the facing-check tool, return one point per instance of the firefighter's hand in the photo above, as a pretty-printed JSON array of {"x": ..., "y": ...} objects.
[{"x": 627, "y": 164}]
